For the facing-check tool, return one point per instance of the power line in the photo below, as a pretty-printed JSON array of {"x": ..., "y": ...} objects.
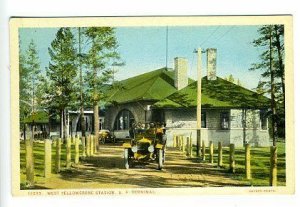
[
  {"x": 224, "y": 34},
  {"x": 209, "y": 36}
]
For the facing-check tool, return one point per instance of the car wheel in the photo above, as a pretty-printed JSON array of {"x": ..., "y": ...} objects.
[
  {"x": 103, "y": 140},
  {"x": 160, "y": 159},
  {"x": 126, "y": 158}
]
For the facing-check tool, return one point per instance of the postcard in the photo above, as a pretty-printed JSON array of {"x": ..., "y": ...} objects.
[{"x": 187, "y": 105}]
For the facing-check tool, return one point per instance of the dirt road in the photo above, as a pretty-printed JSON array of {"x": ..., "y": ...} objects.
[{"x": 106, "y": 170}]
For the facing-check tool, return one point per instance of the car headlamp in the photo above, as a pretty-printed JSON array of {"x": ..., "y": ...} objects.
[
  {"x": 151, "y": 148},
  {"x": 134, "y": 149}
]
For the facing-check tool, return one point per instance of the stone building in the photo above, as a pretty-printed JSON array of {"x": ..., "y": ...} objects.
[{"x": 230, "y": 113}]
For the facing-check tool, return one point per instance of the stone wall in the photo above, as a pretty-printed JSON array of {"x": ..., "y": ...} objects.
[
  {"x": 183, "y": 122},
  {"x": 138, "y": 109},
  {"x": 258, "y": 138}
]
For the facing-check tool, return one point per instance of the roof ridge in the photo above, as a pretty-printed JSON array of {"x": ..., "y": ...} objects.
[
  {"x": 148, "y": 79},
  {"x": 154, "y": 79}
]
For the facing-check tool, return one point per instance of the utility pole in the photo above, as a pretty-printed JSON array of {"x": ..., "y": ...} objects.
[{"x": 199, "y": 75}]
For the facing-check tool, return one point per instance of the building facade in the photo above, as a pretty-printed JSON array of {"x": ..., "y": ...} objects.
[{"x": 230, "y": 113}]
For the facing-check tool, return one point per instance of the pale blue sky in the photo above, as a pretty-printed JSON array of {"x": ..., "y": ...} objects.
[{"x": 144, "y": 48}]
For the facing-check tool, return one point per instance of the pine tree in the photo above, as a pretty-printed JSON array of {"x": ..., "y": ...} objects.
[
  {"x": 29, "y": 68},
  {"x": 61, "y": 73},
  {"x": 100, "y": 57},
  {"x": 231, "y": 78},
  {"x": 271, "y": 42}
]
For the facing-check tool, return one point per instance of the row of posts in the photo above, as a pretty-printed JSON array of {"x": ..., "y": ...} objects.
[
  {"x": 88, "y": 149},
  {"x": 186, "y": 147}
]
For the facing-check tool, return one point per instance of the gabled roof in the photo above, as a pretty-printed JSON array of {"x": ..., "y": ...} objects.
[
  {"x": 217, "y": 93},
  {"x": 153, "y": 86}
]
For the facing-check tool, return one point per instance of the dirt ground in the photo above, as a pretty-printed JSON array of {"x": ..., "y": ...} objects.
[{"x": 106, "y": 170}]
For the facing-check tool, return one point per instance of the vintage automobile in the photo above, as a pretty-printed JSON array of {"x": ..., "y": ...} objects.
[
  {"x": 106, "y": 136},
  {"x": 146, "y": 144}
]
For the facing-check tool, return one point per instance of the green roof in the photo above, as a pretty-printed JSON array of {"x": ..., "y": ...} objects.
[
  {"x": 38, "y": 117},
  {"x": 155, "y": 86},
  {"x": 217, "y": 93}
]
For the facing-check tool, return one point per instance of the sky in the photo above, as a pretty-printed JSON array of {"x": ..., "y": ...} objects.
[{"x": 143, "y": 49}]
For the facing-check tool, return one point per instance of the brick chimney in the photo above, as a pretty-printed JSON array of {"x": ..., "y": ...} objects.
[
  {"x": 181, "y": 69},
  {"x": 211, "y": 63}
]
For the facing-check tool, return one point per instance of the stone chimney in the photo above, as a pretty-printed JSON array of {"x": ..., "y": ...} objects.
[
  {"x": 211, "y": 63},
  {"x": 181, "y": 69}
]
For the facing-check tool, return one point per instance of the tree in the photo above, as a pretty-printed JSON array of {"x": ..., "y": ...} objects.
[
  {"x": 270, "y": 40},
  {"x": 80, "y": 64},
  {"x": 100, "y": 57},
  {"x": 61, "y": 73},
  {"x": 231, "y": 78},
  {"x": 25, "y": 106},
  {"x": 29, "y": 67}
]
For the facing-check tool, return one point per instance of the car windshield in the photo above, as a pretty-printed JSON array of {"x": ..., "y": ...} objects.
[{"x": 146, "y": 133}]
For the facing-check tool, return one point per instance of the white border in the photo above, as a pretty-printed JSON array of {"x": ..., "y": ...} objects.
[{"x": 136, "y": 7}]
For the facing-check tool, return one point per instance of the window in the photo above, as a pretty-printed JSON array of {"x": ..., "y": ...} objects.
[
  {"x": 124, "y": 120},
  {"x": 203, "y": 120},
  {"x": 263, "y": 120},
  {"x": 224, "y": 120}
]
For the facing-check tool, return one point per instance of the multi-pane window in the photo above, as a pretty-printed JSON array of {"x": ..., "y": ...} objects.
[
  {"x": 124, "y": 120},
  {"x": 263, "y": 120},
  {"x": 203, "y": 120},
  {"x": 224, "y": 116}
]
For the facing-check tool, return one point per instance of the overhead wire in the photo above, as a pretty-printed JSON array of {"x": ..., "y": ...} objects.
[{"x": 213, "y": 32}]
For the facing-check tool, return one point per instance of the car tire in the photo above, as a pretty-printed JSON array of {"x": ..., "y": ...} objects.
[
  {"x": 103, "y": 140},
  {"x": 160, "y": 159},
  {"x": 126, "y": 158}
]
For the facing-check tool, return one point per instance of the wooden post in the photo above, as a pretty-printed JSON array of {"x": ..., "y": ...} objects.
[
  {"x": 92, "y": 145},
  {"x": 174, "y": 142},
  {"x": 183, "y": 144},
  {"x": 273, "y": 167},
  {"x": 188, "y": 146},
  {"x": 47, "y": 158},
  {"x": 72, "y": 140},
  {"x": 68, "y": 152},
  {"x": 247, "y": 161},
  {"x": 191, "y": 147},
  {"x": 58, "y": 154},
  {"x": 29, "y": 161},
  {"x": 211, "y": 152},
  {"x": 83, "y": 146},
  {"x": 88, "y": 145},
  {"x": 177, "y": 141},
  {"x": 231, "y": 159},
  {"x": 220, "y": 155},
  {"x": 96, "y": 144},
  {"x": 203, "y": 150},
  {"x": 76, "y": 150}
]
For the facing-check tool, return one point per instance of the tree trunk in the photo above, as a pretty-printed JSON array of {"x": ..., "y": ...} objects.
[
  {"x": 96, "y": 122},
  {"x": 65, "y": 124},
  {"x": 62, "y": 124},
  {"x": 82, "y": 121},
  {"x": 280, "y": 61},
  {"x": 273, "y": 104}
]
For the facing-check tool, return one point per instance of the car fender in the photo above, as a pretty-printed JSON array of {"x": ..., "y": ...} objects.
[
  {"x": 159, "y": 146},
  {"x": 126, "y": 145}
]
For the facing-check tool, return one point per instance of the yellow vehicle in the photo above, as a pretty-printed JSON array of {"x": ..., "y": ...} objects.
[
  {"x": 106, "y": 136},
  {"x": 146, "y": 144}
]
